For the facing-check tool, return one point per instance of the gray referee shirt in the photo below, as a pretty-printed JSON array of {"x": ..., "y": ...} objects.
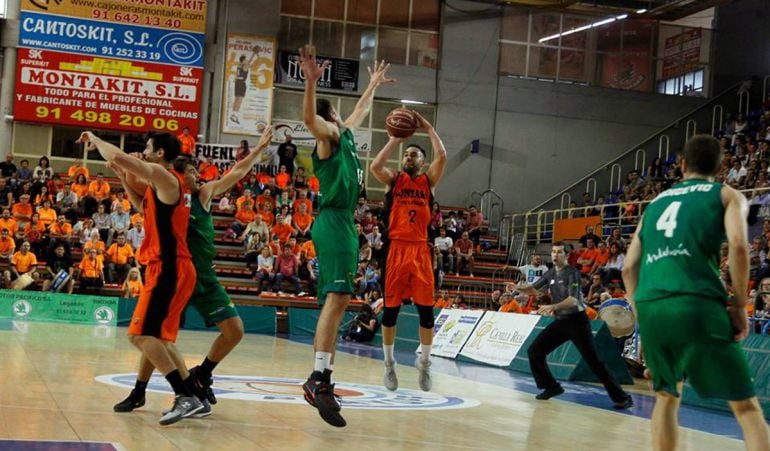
[{"x": 561, "y": 285}]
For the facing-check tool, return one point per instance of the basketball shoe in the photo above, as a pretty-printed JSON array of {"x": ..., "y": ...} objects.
[
  {"x": 133, "y": 401},
  {"x": 423, "y": 370},
  {"x": 202, "y": 385},
  {"x": 390, "y": 380},
  {"x": 319, "y": 393},
  {"x": 184, "y": 406}
]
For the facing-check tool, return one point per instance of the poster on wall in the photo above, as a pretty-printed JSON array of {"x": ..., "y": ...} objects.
[
  {"x": 631, "y": 72},
  {"x": 247, "y": 98},
  {"x": 499, "y": 337},
  {"x": 682, "y": 52},
  {"x": 223, "y": 156},
  {"x": 341, "y": 74},
  {"x": 110, "y": 65}
]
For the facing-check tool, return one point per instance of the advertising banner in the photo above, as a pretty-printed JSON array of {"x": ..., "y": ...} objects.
[
  {"x": 56, "y": 307},
  {"x": 179, "y": 14},
  {"x": 499, "y": 337},
  {"x": 682, "y": 52},
  {"x": 247, "y": 99},
  {"x": 341, "y": 74},
  {"x": 452, "y": 329},
  {"x": 69, "y": 89},
  {"x": 111, "y": 64},
  {"x": 223, "y": 157}
]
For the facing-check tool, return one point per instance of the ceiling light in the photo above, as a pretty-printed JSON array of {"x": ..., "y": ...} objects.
[
  {"x": 413, "y": 102},
  {"x": 641, "y": 11},
  {"x": 583, "y": 28}
]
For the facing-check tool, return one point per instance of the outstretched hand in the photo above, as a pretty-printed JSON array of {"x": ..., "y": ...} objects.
[
  {"x": 267, "y": 136},
  {"x": 309, "y": 65},
  {"x": 377, "y": 74},
  {"x": 87, "y": 138},
  {"x": 422, "y": 123}
]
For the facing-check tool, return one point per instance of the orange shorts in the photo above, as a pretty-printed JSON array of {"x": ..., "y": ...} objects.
[
  {"x": 408, "y": 274},
  {"x": 163, "y": 299}
]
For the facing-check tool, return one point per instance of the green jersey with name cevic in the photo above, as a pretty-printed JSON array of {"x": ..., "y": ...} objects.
[{"x": 682, "y": 233}]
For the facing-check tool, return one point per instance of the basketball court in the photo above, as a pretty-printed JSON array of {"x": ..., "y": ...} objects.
[{"x": 67, "y": 378}]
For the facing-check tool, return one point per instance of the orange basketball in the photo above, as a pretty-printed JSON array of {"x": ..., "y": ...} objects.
[{"x": 400, "y": 123}]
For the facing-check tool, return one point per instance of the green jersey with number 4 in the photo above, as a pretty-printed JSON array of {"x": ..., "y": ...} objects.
[{"x": 682, "y": 232}]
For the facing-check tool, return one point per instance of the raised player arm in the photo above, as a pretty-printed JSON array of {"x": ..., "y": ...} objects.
[
  {"x": 376, "y": 78},
  {"x": 318, "y": 127},
  {"x": 736, "y": 211},
  {"x": 378, "y": 168},
  {"x": 239, "y": 171},
  {"x": 436, "y": 168},
  {"x": 134, "y": 188},
  {"x": 164, "y": 182}
]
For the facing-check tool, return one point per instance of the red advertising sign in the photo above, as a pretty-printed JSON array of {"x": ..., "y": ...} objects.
[
  {"x": 682, "y": 52},
  {"x": 96, "y": 92}
]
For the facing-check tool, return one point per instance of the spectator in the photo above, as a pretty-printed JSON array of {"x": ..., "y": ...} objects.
[
  {"x": 616, "y": 236},
  {"x": 757, "y": 257},
  {"x": 282, "y": 229},
  {"x": 459, "y": 302},
  {"x": 442, "y": 301},
  {"x": 285, "y": 214},
  {"x": 287, "y": 267},
  {"x": 102, "y": 222},
  {"x": 284, "y": 201},
  {"x": 136, "y": 217},
  {"x": 266, "y": 212},
  {"x": 245, "y": 196},
  {"x": 265, "y": 268},
  {"x": 96, "y": 244},
  {"x": 314, "y": 185},
  {"x": 275, "y": 245},
  {"x": 612, "y": 270},
  {"x": 436, "y": 221},
  {"x": 308, "y": 248},
  {"x": 302, "y": 199},
  {"x": 7, "y": 168},
  {"x": 7, "y": 245},
  {"x": 226, "y": 203},
  {"x": 22, "y": 211},
  {"x": 361, "y": 209},
  {"x": 43, "y": 172},
  {"x": 368, "y": 222},
  {"x": 135, "y": 236},
  {"x": 464, "y": 253},
  {"x": 132, "y": 286},
  {"x": 507, "y": 303},
  {"x": 120, "y": 258},
  {"x": 24, "y": 173},
  {"x": 254, "y": 247},
  {"x": 595, "y": 291},
  {"x": 445, "y": 257},
  {"x": 187, "y": 141},
  {"x": 375, "y": 242},
  {"x": 98, "y": 193},
  {"x": 91, "y": 271},
  {"x": 363, "y": 327},
  {"x": 23, "y": 262},
  {"x": 533, "y": 271},
  {"x": 375, "y": 300},
  {"x": 80, "y": 186},
  {"x": 589, "y": 235},
  {"x": 7, "y": 222},
  {"x": 283, "y": 179},
  {"x": 303, "y": 220},
  {"x": 737, "y": 175},
  {"x": 33, "y": 232},
  {"x": 67, "y": 203},
  {"x": 120, "y": 221},
  {"x": 256, "y": 227},
  {"x": 59, "y": 265},
  {"x": 60, "y": 234},
  {"x": 78, "y": 167},
  {"x": 47, "y": 214},
  {"x": 300, "y": 179},
  {"x": 120, "y": 199},
  {"x": 287, "y": 153},
  {"x": 588, "y": 256},
  {"x": 5, "y": 189},
  {"x": 372, "y": 276},
  {"x": 602, "y": 257},
  {"x": 360, "y": 234},
  {"x": 364, "y": 252},
  {"x": 208, "y": 171},
  {"x": 296, "y": 249},
  {"x": 243, "y": 216},
  {"x": 656, "y": 171},
  {"x": 266, "y": 198},
  {"x": 42, "y": 196},
  {"x": 306, "y": 273}
]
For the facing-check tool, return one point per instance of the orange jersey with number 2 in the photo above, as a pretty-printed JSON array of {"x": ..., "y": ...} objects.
[{"x": 410, "y": 201}]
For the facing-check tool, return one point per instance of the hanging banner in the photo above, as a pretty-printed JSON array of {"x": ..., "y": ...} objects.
[
  {"x": 341, "y": 74},
  {"x": 682, "y": 52},
  {"x": 56, "y": 307},
  {"x": 111, "y": 64},
  {"x": 499, "y": 337},
  {"x": 452, "y": 329},
  {"x": 247, "y": 98},
  {"x": 223, "y": 156}
]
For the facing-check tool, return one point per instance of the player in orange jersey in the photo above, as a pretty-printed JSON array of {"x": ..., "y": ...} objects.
[
  {"x": 170, "y": 274},
  {"x": 409, "y": 268}
]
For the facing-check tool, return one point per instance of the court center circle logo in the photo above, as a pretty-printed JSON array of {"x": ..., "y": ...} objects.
[{"x": 289, "y": 391}]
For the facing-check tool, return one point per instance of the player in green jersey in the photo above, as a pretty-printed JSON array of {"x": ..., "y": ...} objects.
[
  {"x": 339, "y": 172},
  {"x": 672, "y": 277},
  {"x": 209, "y": 297}
]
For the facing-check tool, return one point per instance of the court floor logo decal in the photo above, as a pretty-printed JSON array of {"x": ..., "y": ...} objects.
[{"x": 289, "y": 391}]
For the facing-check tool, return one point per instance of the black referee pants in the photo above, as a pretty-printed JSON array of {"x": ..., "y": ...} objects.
[{"x": 577, "y": 329}]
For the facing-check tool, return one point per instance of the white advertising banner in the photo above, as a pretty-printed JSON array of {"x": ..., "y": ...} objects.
[
  {"x": 452, "y": 329},
  {"x": 247, "y": 98},
  {"x": 223, "y": 156},
  {"x": 499, "y": 337},
  {"x": 303, "y": 139}
]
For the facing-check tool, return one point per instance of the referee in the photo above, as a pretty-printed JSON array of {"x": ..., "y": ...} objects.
[{"x": 563, "y": 284}]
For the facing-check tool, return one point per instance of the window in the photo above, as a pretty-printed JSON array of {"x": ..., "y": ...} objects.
[
  {"x": 689, "y": 84},
  {"x": 398, "y": 31}
]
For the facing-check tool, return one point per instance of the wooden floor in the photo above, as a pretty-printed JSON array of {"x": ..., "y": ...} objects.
[{"x": 50, "y": 392}]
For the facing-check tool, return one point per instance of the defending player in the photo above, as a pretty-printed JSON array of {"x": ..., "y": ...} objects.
[
  {"x": 409, "y": 268},
  {"x": 337, "y": 167},
  {"x": 170, "y": 275},
  {"x": 671, "y": 274},
  {"x": 209, "y": 298}
]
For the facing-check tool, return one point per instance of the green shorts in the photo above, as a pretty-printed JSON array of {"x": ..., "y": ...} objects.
[
  {"x": 336, "y": 245},
  {"x": 210, "y": 299},
  {"x": 692, "y": 337}
]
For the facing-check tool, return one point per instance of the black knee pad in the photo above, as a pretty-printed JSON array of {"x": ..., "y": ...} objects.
[
  {"x": 389, "y": 316},
  {"x": 426, "y": 316}
]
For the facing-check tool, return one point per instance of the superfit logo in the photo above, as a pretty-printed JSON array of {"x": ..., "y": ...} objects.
[{"x": 44, "y": 4}]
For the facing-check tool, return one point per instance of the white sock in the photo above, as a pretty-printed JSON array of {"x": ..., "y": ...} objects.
[
  {"x": 331, "y": 376},
  {"x": 323, "y": 361},
  {"x": 425, "y": 352},
  {"x": 388, "y": 350}
]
